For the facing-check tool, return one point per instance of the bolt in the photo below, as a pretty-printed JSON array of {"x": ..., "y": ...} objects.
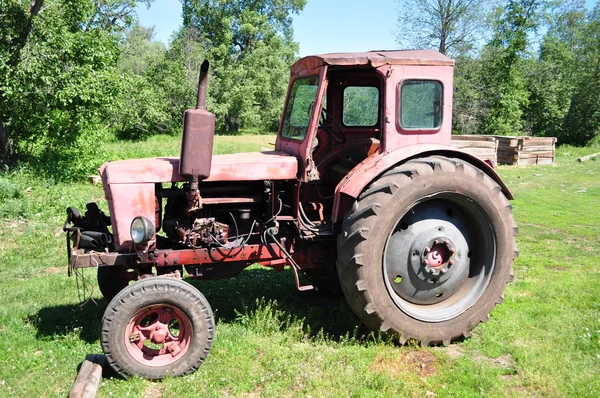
[
  {"x": 134, "y": 337},
  {"x": 451, "y": 262},
  {"x": 446, "y": 242},
  {"x": 452, "y": 250},
  {"x": 176, "y": 261},
  {"x": 425, "y": 262},
  {"x": 435, "y": 242},
  {"x": 443, "y": 271},
  {"x": 427, "y": 250}
]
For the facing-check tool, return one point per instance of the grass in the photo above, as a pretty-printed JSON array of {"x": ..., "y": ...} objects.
[{"x": 274, "y": 341}]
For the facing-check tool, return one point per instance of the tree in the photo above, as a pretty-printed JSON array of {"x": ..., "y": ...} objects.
[
  {"x": 141, "y": 108},
  {"x": 582, "y": 122},
  {"x": 552, "y": 78},
  {"x": 250, "y": 46},
  {"x": 450, "y": 26},
  {"x": 506, "y": 91},
  {"x": 58, "y": 77}
]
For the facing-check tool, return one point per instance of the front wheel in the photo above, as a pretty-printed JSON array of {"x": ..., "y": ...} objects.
[
  {"x": 426, "y": 251},
  {"x": 157, "y": 327}
]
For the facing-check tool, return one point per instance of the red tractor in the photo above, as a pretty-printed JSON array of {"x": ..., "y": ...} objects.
[{"x": 362, "y": 193}]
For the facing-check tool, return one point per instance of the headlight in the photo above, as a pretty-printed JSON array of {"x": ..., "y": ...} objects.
[{"x": 142, "y": 230}]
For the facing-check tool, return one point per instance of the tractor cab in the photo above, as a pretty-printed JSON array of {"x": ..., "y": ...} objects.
[{"x": 342, "y": 108}]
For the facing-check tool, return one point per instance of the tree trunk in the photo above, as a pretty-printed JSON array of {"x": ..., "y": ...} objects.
[
  {"x": 233, "y": 124},
  {"x": 5, "y": 143}
]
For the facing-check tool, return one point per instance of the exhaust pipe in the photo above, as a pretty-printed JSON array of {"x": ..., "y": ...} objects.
[{"x": 197, "y": 141}]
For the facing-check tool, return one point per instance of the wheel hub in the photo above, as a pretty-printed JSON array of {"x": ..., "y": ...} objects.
[
  {"x": 438, "y": 257},
  {"x": 427, "y": 255}
]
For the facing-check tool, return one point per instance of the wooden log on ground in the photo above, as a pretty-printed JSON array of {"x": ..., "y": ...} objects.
[
  {"x": 89, "y": 377},
  {"x": 588, "y": 157}
]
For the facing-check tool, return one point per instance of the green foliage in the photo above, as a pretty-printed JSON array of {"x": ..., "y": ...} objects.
[
  {"x": 12, "y": 202},
  {"x": 61, "y": 79},
  {"x": 250, "y": 48},
  {"x": 582, "y": 122},
  {"x": 506, "y": 91},
  {"x": 513, "y": 89}
]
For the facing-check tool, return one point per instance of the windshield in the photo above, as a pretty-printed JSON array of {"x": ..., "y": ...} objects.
[{"x": 300, "y": 108}]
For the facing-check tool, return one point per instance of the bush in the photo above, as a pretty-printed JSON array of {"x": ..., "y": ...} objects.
[{"x": 12, "y": 201}]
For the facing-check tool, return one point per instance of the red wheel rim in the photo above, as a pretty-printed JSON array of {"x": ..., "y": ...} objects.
[{"x": 158, "y": 335}]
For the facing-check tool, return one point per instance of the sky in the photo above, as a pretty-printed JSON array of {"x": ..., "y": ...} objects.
[{"x": 324, "y": 26}]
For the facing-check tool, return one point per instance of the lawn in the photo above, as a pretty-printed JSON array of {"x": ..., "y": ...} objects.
[{"x": 544, "y": 340}]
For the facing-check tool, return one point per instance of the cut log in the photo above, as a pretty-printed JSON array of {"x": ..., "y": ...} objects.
[
  {"x": 588, "y": 157},
  {"x": 89, "y": 377}
]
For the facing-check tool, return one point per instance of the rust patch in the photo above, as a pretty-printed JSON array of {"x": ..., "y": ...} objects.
[{"x": 422, "y": 363}]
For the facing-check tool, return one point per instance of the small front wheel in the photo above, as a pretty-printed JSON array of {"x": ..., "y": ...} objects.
[{"x": 157, "y": 327}]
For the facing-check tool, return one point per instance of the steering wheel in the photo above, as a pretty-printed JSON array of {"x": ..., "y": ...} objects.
[{"x": 337, "y": 136}]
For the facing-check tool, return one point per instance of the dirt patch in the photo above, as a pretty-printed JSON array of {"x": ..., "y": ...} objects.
[
  {"x": 154, "y": 390},
  {"x": 453, "y": 351},
  {"x": 256, "y": 392},
  {"x": 422, "y": 363},
  {"x": 54, "y": 270},
  {"x": 504, "y": 361}
]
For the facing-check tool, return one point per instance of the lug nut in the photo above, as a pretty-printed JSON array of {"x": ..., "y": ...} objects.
[{"x": 427, "y": 250}]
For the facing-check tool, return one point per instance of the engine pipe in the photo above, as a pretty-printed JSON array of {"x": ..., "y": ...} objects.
[{"x": 197, "y": 142}]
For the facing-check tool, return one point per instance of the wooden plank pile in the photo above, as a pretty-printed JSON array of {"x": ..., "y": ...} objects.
[
  {"x": 508, "y": 150},
  {"x": 482, "y": 146},
  {"x": 526, "y": 150}
]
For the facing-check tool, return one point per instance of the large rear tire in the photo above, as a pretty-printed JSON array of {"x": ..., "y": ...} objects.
[
  {"x": 427, "y": 249},
  {"x": 157, "y": 327}
]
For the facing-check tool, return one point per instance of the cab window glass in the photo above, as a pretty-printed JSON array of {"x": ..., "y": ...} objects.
[
  {"x": 421, "y": 104},
  {"x": 361, "y": 106},
  {"x": 300, "y": 108}
]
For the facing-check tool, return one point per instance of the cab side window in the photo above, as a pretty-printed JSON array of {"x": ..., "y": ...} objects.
[{"x": 421, "y": 104}]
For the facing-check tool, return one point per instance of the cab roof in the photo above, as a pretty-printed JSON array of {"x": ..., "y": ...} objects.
[{"x": 374, "y": 59}]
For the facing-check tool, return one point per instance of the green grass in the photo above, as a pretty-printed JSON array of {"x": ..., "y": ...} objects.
[{"x": 274, "y": 341}]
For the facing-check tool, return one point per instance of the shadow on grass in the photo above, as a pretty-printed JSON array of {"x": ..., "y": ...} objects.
[
  {"x": 52, "y": 322},
  {"x": 320, "y": 313}
]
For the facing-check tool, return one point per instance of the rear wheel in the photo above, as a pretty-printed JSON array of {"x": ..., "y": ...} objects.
[
  {"x": 157, "y": 327},
  {"x": 426, "y": 251}
]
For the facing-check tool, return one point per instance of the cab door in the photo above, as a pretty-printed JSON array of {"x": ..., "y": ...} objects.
[{"x": 300, "y": 119}]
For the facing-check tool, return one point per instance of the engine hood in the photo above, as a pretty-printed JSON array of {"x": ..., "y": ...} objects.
[{"x": 252, "y": 166}]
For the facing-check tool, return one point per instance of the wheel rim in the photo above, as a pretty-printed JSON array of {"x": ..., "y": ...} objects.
[
  {"x": 158, "y": 335},
  {"x": 439, "y": 257}
]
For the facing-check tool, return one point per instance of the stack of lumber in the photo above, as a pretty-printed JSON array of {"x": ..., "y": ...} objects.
[
  {"x": 526, "y": 150},
  {"x": 482, "y": 146}
]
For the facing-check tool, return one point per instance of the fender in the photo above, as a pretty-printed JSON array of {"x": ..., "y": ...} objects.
[{"x": 372, "y": 167}]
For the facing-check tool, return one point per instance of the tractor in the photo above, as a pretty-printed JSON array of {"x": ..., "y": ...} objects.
[{"x": 363, "y": 194}]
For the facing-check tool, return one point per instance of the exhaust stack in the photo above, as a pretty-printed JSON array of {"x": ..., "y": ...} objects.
[{"x": 197, "y": 140}]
